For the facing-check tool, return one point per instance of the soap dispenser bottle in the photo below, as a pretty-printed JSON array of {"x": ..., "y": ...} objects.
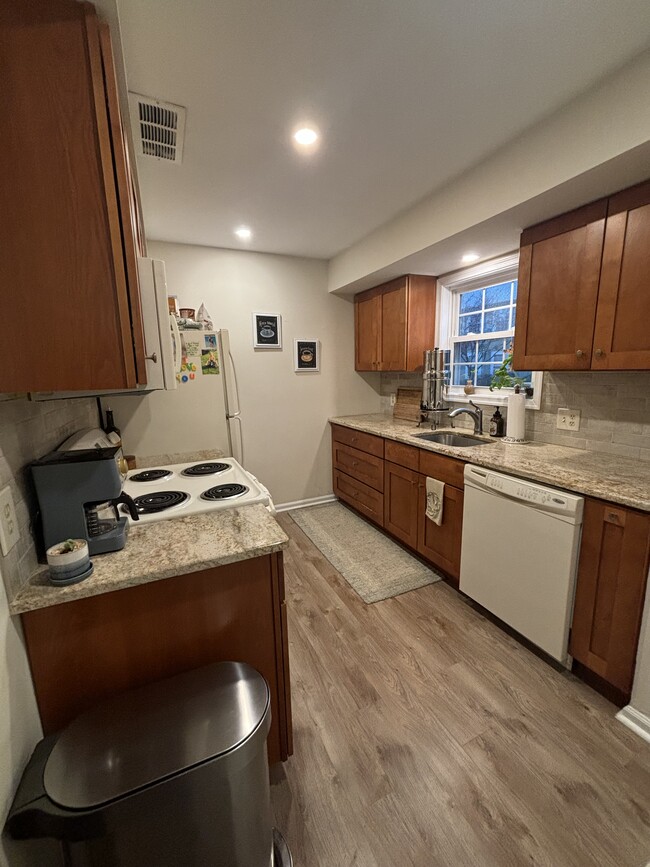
[{"x": 497, "y": 424}]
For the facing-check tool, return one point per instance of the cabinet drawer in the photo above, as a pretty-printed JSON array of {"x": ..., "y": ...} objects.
[
  {"x": 405, "y": 456},
  {"x": 368, "y": 501},
  {"x": 363, "y": 441},
  {"x": 366, "y": 468},
  {"x": 447, "y": 470}
]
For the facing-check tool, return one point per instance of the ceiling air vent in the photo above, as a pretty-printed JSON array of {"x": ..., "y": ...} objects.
[{"x": 158, "y": 128}]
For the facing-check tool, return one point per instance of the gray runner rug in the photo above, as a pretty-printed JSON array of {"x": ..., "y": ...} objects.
[{"x": 374, "y": 566}]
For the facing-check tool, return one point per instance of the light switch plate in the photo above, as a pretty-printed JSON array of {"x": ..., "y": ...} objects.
[
  {"x": 9, "y": 532},
  {"x": 568, "y": 419}
]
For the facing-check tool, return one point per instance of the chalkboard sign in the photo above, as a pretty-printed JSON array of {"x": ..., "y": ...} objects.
[{"x": 267, "y": 331}]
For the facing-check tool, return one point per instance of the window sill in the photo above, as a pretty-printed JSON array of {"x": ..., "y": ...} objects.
[{"x": 492, "y": 398}]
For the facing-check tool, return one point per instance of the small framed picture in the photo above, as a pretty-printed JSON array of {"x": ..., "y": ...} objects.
[
  {"x": 306, "y": 355},
  {"x": 267, "y": 331}
]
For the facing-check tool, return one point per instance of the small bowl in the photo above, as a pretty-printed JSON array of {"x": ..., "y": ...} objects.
[
  {"x": 68, "y": 564},
  {"x": 188, "y": 312}
]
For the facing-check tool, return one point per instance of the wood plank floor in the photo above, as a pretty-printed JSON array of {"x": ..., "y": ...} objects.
[{"x": 427, "y": 737}]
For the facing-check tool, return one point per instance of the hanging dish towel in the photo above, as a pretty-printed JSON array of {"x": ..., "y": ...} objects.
[{"x": 435, "y": 500}]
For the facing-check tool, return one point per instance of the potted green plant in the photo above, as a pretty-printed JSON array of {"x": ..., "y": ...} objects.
[{"x": 505, "y": 377}]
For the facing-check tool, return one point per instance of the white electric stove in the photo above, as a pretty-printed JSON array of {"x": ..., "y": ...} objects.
[{"x": 180, "y": 490}]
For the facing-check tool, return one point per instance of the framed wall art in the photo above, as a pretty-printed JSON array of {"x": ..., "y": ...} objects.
[
  {"x": 306, "y": 354},
  {"x": 267, "y": 331}
]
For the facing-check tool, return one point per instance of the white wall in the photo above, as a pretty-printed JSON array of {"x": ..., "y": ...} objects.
[
  {"x": 285, "y": 414},
  {"x": 641, "y": 689},
  {"x": 610, "y": 120},
  {"x": 20, "y": 729}
]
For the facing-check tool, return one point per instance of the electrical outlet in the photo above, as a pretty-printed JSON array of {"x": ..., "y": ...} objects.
[
  {"x": 393, "y": 398},
  {"x": 568, "y": 419},
  {"x": 9, "y": 533}
]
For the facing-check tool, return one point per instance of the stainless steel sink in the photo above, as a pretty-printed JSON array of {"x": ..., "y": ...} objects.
[{"x": 452, "y": 439}]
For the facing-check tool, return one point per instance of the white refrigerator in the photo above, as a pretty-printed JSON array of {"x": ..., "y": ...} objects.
[{"x": 202, "y": 413}]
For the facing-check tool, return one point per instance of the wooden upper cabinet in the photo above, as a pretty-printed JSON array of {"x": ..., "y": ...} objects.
[
  {"x": 559, "y": 270},
  {"x": 610, "y": 591},
  {"x": 622, "y": 333},
  {"x": 68, "y": 264},
  {"x": 394, "y": 312},
  {"x": 395, "y": 323},
  {"x": 367, "y": 328},
  {"x": 584, "y": 289}
]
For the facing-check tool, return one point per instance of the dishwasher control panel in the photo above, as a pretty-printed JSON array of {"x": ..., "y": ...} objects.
[{"x": 548, "y": 499}]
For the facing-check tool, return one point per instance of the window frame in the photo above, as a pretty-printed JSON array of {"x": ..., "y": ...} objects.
[{"x": 490, "y": 273}]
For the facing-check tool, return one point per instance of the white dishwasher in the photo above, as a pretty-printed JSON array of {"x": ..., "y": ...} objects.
[{"x": 520, "y": 555}]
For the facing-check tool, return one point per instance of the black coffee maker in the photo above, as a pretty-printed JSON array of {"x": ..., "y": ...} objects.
[{"x": 78, "y": 493}]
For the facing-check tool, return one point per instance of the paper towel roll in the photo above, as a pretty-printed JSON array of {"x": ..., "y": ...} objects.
[{"x": 516, "y": 427}]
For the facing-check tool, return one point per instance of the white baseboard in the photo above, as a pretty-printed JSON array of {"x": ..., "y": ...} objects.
[
  {"x": 635, "y": 720},
  {"x": 302, "y": 504}
]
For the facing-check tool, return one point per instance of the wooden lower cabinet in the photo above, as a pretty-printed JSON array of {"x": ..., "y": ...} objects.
[
  {"x": 441, "y": 544},
  {"x": 405, "y": 518},
  {"x": 392, "y": 493},
  {"x": 365, "y": 499},
  {"x": 401, "y": 503},
  {"x": 90, "y": 649},
  {"x": 610, "y": 590}
]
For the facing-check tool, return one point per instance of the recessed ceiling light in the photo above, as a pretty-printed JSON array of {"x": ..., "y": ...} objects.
[
  {"x": 243, "y": 233},
  {"x": 305, "y": 136},
  {"x": 471, "y": 257}
]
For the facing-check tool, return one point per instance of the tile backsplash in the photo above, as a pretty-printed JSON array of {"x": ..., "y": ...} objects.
[
  {"x": 28, "y": 430},
  {"x": 614, "y": 407}
]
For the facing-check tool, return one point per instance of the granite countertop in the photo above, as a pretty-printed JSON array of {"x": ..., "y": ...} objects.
[
  {"x": 164, "y": 549},
  {"x": 607, "y": 477}
]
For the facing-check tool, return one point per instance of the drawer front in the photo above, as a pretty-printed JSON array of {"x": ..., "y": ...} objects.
[
  {"x": 405, "y": 456},
  {"x": 366, "y": 468},
  {"x": 368, "y": 501},
  {"x": 447, "y": 470},
  {"x": 358, "y": 440}
]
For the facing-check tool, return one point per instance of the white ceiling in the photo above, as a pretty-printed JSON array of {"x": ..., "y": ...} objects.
[{"x": 407, "y": 93}]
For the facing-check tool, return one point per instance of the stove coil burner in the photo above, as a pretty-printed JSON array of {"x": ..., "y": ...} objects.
[
  {"x": 207, "y": 469},
  {"x": 159, "y": 501},
  {"x": 151, "y": 476},
  {"x": 224, "y": 492}
]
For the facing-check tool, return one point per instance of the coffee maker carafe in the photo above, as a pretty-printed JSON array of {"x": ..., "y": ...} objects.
[{"x": 78, "y": 493}]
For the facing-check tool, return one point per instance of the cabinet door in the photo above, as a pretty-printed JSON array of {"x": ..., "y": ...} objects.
[
  {"x": 367, "y": 312},
  {"x": 394, "y": 310},
  {"x": 610, "y": 591},
  {"x": 62, "y": 265},
  {"x": 559, "y": 269},
  {"x": 622, "y": 335},
  {"x": 441, "y": 544},
  {"x": 130, "y": 219},
  {"x": 421, "y": 319},
  {"x": 401, "y": 503}
]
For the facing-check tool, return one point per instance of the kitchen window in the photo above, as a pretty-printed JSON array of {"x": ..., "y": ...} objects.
[{"x": 479, "y": 306}]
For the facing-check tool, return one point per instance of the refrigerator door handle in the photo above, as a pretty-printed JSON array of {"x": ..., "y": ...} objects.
[{"x": 178, "y": 351}]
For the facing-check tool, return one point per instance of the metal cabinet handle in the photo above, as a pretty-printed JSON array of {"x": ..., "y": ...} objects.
[
  {"x": 599, "y": 353},
  {"x": 153, "y": 357},
  {"x": 579, "y": 353}
]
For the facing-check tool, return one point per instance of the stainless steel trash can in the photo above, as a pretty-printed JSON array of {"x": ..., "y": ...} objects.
[{"x": 171, "y": 773}]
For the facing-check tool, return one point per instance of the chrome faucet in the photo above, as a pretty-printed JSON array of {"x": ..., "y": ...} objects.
[{"x": 476, "y": 414}]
